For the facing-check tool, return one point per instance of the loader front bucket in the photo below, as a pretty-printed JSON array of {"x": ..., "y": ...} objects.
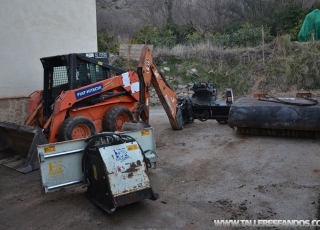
[{"x": 18, "y": 146}]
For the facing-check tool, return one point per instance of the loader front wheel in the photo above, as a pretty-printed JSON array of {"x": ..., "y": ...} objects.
[
  {"x": 76, "y": 128},
  {"x": 115, "y": 117}
]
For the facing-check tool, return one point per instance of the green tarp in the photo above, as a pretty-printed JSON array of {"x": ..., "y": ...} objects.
[{"x": 311, "y": 27}]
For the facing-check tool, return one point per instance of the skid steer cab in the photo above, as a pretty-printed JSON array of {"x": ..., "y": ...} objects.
[{"x": 113, "y": 167}]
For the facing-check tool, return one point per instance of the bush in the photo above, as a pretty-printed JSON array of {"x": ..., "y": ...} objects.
[
  {"x": 146, "y": 35},
  {"x": 106, "y": 43},
  {"x": 150, "y": 34},
  {"x": 245, "y": 36},
  {"x": 288, "y": 20},
  {"x": 169, "y": 36},
  {"x": 183, "y": 33},
  {"x": 193, "y": 38}
]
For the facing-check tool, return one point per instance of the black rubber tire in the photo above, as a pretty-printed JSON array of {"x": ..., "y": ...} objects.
[
  {"x": 68, "y": 125},
  {"x": 109, "y": 119}
]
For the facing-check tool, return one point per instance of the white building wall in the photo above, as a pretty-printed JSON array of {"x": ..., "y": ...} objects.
[{"x": 31, "y": 29}]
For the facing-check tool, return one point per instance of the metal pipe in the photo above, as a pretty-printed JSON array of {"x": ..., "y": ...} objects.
[
  {"x": 62, "y": 153},
  {"x": 65, "y": 184},
  {"x": 33, "y": 115},
  {"x": 46, "y": 125}
]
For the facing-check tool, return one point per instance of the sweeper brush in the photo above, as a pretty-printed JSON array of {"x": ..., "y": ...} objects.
[{"x": 265, "y": 115}]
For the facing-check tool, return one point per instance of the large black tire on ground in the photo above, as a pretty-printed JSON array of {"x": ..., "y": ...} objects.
[
  {"x": 75, "y": 128},
  {"x": 115, "y": 117}
]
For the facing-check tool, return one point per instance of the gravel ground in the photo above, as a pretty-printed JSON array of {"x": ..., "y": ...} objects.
[{"x": 204, "y": 172}]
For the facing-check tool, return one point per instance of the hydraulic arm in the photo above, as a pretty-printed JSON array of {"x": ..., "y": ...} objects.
[{"x": 150, "y": 74}]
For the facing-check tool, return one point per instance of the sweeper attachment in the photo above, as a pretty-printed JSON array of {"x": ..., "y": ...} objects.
[
  {"x": 113, "y": 167},
  {"x": 265, "y": 115}
]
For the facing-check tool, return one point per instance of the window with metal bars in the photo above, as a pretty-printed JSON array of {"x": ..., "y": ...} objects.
[
  {"x": 60, "y": 76},
  {"x": 88, "y": 73},
  {"x": 59, "y": 82}
]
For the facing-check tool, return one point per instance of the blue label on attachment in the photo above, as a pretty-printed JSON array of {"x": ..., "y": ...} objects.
[{"x": 121, "y": 154}]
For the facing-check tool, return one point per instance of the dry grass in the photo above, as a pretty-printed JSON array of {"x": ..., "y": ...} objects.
[{"x": 276, "y": 67}]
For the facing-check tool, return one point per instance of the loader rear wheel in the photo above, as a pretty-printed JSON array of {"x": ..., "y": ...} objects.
[
  {"x": 115, "y": 118},
  {"x": 75, "y": 128}
]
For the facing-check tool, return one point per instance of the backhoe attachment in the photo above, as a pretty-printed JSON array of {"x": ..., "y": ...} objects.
[{"x": 178, "y": 111}]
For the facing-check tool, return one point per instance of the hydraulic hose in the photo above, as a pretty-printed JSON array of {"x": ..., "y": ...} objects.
[{"x": 311, "y": 101}]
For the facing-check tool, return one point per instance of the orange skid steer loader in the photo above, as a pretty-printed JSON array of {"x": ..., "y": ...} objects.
[{"x": 79, "y": 98}]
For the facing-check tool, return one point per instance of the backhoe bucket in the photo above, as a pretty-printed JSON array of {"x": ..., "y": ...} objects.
[{"x": 18, "y": 146}]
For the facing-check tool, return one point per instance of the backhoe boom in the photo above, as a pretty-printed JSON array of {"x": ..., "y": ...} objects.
[{"x": 167, "y": 96}]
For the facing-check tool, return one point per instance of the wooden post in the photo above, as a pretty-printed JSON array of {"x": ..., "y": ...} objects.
[
  {"x": 128, "y": 54},
  {"x": 262, "y": 35}
]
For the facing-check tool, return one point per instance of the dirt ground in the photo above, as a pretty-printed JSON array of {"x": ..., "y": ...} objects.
[{"x": 204, "y": 172}]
